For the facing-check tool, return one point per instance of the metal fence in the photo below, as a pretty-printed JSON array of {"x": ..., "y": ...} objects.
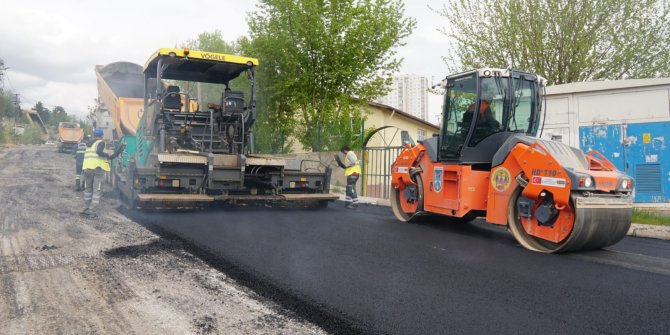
[{"x": 377, "y": 163}]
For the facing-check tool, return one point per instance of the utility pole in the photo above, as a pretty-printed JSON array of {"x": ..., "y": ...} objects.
[{"x": 17, "y": 109}]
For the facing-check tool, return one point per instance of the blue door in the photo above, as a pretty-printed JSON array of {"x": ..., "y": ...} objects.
[{"x": 639, "y": 150}]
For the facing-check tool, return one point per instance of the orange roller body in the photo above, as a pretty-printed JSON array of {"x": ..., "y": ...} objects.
[{"x": 490, "y": 164}]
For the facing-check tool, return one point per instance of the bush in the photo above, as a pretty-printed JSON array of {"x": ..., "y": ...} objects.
[
  {"x": 6, "y": 134},
  {"x": 31, "y": 135}
]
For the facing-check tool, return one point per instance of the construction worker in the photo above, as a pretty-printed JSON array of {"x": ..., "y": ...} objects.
[
  {"x": 96, "y": 164},
  {"x": 352, "y": 171},
  {"x": 486, "y": 122},
  {"x": 79, "y": 162}
]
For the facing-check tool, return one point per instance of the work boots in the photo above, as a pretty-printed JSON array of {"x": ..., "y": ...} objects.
[
  {"x": 77, "y": 186},
  {"x": 89, "y": 214}
]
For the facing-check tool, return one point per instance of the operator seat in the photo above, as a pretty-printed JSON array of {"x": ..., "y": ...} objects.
[
  {"x": 172, "y": 98},
  {"x": 234, "y": 101}
]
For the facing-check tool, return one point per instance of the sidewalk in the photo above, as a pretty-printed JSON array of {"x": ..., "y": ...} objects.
[{"x": 636, "y": 229}]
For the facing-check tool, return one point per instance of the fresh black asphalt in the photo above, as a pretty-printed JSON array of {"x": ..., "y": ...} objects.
[{"x": 373, "y": 274}]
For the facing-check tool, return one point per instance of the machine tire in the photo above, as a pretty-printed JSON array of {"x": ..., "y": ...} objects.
[{"x": 397, "y": 198}]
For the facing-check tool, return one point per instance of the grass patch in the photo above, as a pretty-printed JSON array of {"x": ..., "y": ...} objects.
[{"x": 646, "y": 217}]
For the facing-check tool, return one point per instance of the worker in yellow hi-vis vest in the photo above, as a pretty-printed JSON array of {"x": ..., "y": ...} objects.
[
  {"x": 96, "y": 163},
  {"x": 352, "y": 171}
]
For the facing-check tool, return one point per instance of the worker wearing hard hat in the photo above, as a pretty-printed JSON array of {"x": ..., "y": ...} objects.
[
  {"x": 352, "y": 171},
  {"x": 96, "y": 164}
]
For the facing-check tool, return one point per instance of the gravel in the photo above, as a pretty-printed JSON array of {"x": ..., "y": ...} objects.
[{"x": 61, "y": 273}]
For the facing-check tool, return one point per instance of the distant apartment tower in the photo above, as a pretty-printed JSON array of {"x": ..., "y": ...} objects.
[{"x": 409, "y": 93}]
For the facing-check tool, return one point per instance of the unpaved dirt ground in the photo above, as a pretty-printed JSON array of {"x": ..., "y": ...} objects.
[{"x": 63, "y": 274}]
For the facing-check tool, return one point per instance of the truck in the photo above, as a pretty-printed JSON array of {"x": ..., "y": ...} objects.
[
  {"x": 36, "y": 121},
  {"x": 69, "y": 135},
  {"x": 488, "y": 162},
  {"x": 121, "y": 95},
  {"x": 192, "y": 145}
]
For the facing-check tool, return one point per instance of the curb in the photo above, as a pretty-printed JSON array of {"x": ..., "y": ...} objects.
[
  {"x": 649, "y": 231},
  {"x": 636, "y": 229}
]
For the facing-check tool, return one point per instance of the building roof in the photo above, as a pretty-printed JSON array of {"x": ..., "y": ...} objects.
[
  {"x": 407, "y": 115},
  {"x": 603, "y": 85}
]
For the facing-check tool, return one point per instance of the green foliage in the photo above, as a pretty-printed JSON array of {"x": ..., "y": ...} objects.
[
  {"x": 320, "y": 62},
  {"x": 5, "y": 105},
  {"x": 6, "y": 134},
  {"x": 88, "y": 130},
  {"x": 45, "y": 113},
  {"x": 562, "y": 40},
  {"x": 9, "y": 115},
  {"x": 646, "y": 217},
  {"x": 59, "y": 115},
  {"x": 50, "y": 118},
  {"x": 31, "y": 135},
  {"x": 8, "y": 109}
]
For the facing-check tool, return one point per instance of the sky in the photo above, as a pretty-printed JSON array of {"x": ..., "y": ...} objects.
[{"x": 52, "y": 47}]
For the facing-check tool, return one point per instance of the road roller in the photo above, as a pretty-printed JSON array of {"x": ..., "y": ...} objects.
[{"x": 489, "y": 162}]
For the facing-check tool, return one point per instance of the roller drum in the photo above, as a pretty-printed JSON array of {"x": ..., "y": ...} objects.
[{"x": 600, "y": 221}]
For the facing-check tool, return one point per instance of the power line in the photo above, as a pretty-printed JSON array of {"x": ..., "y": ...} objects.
[
  {"x": 4, "y": 74},
  {"x": 9, "y": 80}
]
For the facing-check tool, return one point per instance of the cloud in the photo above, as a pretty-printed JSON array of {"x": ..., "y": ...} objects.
[
  {"x": 74, "y": 97},
  {"x": 52, "y": 47},
  {"x": 47, "y": 44}
]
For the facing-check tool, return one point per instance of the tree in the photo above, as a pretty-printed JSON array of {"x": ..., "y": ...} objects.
[
  {"x": 59, "y": 115},
  {"x": 319, "y": 62},
  {"x": 45, "y": 113},
  {"x": 88, "y": 130},
  {"x": 562, "y": 40},
  {"x": 6, "y": 105}
]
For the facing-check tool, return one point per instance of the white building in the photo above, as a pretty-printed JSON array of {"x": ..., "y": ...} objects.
[
  {"x": 625, "y": 120},
  {"x": 409, "y": 93}
]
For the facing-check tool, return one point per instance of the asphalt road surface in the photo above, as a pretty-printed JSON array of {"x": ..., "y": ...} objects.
[{"x": 378, "y": 275}]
